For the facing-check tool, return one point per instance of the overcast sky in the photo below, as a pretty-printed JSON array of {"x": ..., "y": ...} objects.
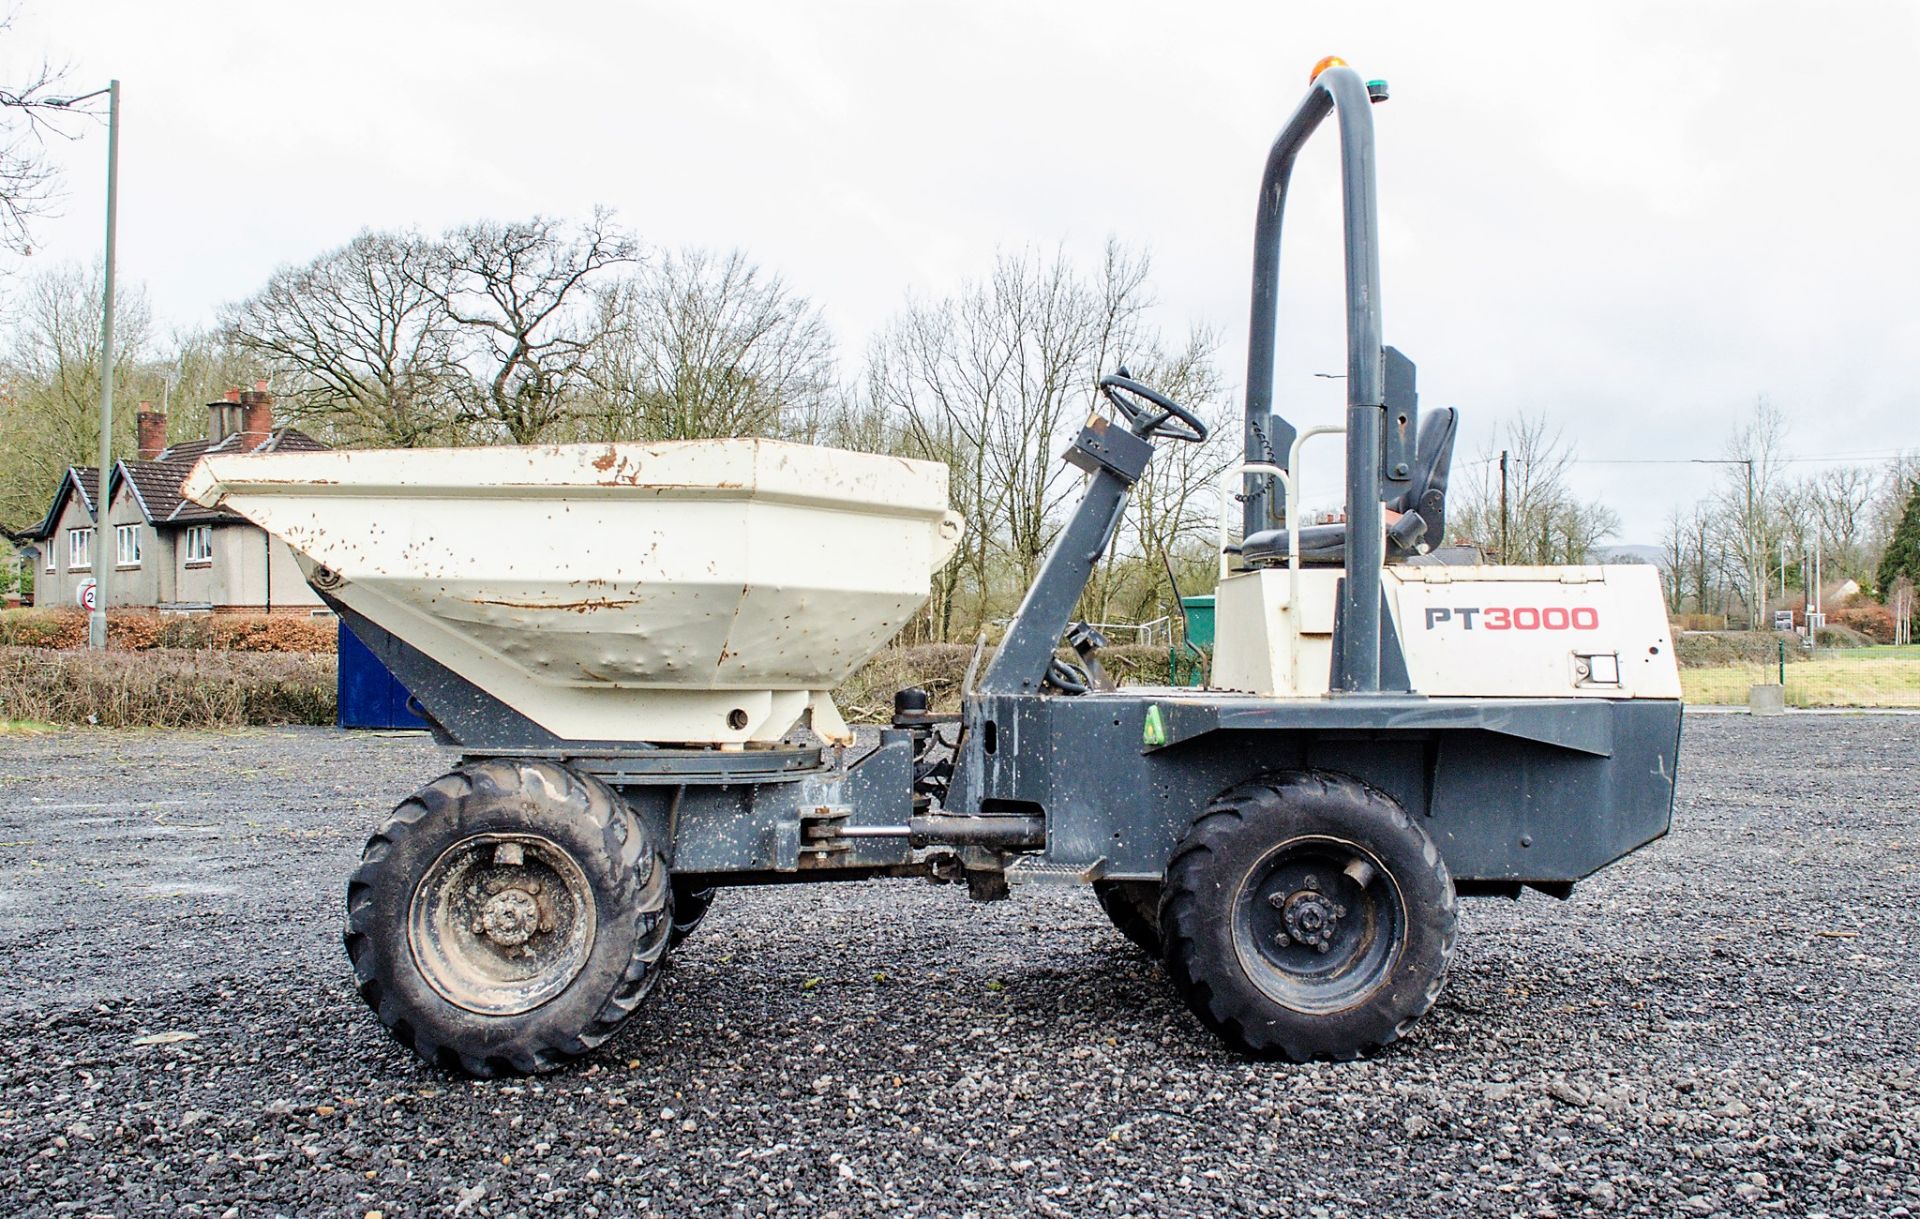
[{"x": 1635, "y": 218}]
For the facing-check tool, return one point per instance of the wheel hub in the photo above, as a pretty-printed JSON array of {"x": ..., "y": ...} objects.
[
  {"x": 501, "y": 923},
  {"x": 1307, "y": 916},
  {"x": 1318, "y": 925},
  {"x": 509, "y": 918}
]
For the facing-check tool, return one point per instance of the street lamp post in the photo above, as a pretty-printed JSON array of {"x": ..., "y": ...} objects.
[
  {"x": 105, "y": 549},
  {"x": 103, "y": 528}
]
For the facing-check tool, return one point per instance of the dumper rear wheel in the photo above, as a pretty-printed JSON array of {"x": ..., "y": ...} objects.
[
  {"x": 1134, "y": 908},
  {"x": 1308, "y": 916},
  {"x": 508, "y": 918}
]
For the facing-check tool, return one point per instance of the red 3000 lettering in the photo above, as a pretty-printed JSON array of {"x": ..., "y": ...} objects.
[{"x": 1514, "y": 617}]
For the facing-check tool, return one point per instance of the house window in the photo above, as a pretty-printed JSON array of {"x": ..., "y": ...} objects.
[
  {"x": 200, "y": 544},
  {"x": 53, "y": 560},
  {"x": 126, "y": 542},
  {"x": 79, "y": 549}
]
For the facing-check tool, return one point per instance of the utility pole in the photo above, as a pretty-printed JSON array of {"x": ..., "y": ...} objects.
[
  {"x": 1503, "y": 507},
  {"x": 1756, "y": 549}
]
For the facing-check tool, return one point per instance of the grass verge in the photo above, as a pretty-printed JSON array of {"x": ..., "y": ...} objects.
[{"x": 1839, "y": 677}]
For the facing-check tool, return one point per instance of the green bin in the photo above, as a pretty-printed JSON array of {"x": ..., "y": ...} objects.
[{"x": 1199, "y": 620}]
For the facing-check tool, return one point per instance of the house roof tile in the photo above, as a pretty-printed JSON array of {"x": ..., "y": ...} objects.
[
  {"x": 156, "y": 483},
  {"x": 179, "y": 461},
  {"x": 81, "y": 480}
]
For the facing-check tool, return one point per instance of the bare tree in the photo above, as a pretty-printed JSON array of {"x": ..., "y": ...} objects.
[
  {"x": 198, "y": 366},
  {"x": 50, "y": 418},
  {"x": 702, "y": 345},
  {"x": 989, "y": 381},
  {"x": 522, "y": 294},
  {"x": 1750, "y": 508},
  {"x": 359, "y": 342},
  {"x": 1834, "y": 506},
  {"x": 29, "y": 114},
  {"x": 1173, "y": 516},
  {"x": 1545, "y": 522},
  {"x": 851, "y": 419},
  {"x": 1053, "y": 334},
  {"x": 994, "y": 379},
  {"x": 1690, "y": 556},
  {"x": 916, "y": 376},
  {"x": 1674, "y": 560}
]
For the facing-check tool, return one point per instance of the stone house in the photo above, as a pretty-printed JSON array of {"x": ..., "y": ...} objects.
[{"x": 170, "y": 554}]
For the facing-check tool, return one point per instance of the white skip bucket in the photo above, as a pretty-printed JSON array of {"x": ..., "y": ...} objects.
[{"x": 695, "y": 592}]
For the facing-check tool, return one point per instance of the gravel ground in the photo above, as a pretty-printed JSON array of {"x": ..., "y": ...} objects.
[{"x": 1727, "y": 1023}]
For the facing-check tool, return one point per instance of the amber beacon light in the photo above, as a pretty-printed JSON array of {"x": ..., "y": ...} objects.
[{"x": 1331, "y": 61}]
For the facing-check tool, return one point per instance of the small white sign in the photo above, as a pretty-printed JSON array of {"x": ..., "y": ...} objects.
[{"x": 87, "y": 594}]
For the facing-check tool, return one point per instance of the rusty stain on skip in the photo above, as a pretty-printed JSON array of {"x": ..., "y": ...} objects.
[{"x": 581, "y": 606}]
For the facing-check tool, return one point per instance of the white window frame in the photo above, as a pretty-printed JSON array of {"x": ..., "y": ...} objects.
[
  {"x": 198, "y": 550},
  {"x": 126, "y": 545},
  {"x": 53, "y": 556},
  {"x": 80, "y": 549}
]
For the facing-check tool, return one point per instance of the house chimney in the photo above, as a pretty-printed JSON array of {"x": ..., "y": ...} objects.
[
  {"x": 153, "y": 431},
  {"x": 224, "y": 417},
  {"x": 257, "y": 420}
]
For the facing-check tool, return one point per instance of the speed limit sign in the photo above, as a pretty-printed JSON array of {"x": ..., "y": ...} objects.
[{"x": 87, "y": 595}]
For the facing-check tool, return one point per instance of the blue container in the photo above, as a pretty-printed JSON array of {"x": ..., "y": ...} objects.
[{"x": 370, "y": 695}]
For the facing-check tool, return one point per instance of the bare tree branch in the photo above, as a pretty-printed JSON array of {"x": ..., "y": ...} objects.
[
  {"x": 358, "y": 343},
  {"x": 700, "y": 345},
  {"x": 30, "y": 114},
  {"x": 1545, "y": 522},
  {"x": 522, "y": 294},
  {"x": 50, "y": 416}
]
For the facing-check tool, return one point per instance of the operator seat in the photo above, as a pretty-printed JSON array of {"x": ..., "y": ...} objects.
[{"x": 1421, "y": 527}]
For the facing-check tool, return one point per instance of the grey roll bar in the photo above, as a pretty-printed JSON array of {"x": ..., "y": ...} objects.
[{"x": 1356, "y": 662}]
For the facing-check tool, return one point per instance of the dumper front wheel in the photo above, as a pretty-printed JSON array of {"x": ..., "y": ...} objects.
[
  {"x": 508, "y": 918},
  {"x": 1307, "y": 916}
]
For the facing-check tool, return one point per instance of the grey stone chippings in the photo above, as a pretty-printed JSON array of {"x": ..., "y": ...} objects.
[{"x": 1727, "y": 1023}]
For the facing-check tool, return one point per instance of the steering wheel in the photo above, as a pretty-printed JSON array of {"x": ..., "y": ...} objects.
[{"x": 1171, "y": 420}]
